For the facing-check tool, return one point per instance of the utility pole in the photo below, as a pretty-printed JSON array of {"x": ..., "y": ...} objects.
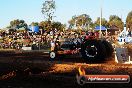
[{"x": 100, "y": 32}]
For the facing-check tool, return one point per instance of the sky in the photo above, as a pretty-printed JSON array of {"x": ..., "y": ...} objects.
[{"x": 30, "y": 10}]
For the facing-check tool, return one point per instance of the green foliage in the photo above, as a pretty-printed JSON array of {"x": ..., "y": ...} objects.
[
  {"x": 54, "y": 25},
  {"x": 16, "y": 24},
  {"x": 129, "y": 20},
  {"x": 48, "y": 9},
  {"x": 81, "y": 21},
  {"x": 116, "y": 21},
  {"x": 45, "y": 25},
  {"x": 103, "y": 22},
  {"x": 58, "y": 26},
  {"x": 34, "y": 23}
]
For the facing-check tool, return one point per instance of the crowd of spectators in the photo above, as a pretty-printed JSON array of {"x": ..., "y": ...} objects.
[{"x": 19, "y": 39}]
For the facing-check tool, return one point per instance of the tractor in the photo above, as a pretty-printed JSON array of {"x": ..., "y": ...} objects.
[{"x": 91, "y": 48}]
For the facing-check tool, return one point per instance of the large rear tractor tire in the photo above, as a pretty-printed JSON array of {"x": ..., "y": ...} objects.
[
  {"x": 93, "y": 51},
  {"x": 109, "y": 48}
]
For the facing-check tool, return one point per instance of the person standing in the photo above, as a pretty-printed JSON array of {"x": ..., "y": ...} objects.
[{"x": 52, "y": 45}]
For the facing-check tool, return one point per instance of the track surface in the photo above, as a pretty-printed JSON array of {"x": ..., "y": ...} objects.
[{"x": 59, "y": 73}]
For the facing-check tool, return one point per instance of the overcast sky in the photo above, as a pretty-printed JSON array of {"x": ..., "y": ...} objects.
[{"x": 30, "y": 10}]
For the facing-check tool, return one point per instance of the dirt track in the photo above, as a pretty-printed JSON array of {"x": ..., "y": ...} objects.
[{"x": 43, "y": 73}]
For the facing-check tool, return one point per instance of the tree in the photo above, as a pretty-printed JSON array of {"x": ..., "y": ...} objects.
[
  {"x": 35, "y": 24},
  {"x": 129, "y": 20},
  {"x": 16, "y": 24},
  {"x": 72, "y": 22},
  {"x": 103, "y": 22},
  {"x": 54, "y": 25},
  {"x": 81, "y": 21},
  {"x": 48, "y": 9},
  {"x": 58, "y": 25},
  {"x": 45, "y": 25},
  {"x": 116, "y": 21},
  {"x": 22, "y": 24}
]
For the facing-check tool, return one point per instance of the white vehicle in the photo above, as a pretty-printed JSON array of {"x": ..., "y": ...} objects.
[
  {"x": 125, "y": 36},
  {"x": 125, "y": 39}
]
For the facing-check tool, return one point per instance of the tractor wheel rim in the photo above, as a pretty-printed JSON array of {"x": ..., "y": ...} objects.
[
  {"x": 52, "y": 55},
  {"x": 91, "y": 51}
]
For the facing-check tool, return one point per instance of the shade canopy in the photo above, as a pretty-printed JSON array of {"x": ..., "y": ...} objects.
[
  {"x": 34, "y": 28},
  {"x": 97, "y": 28}
]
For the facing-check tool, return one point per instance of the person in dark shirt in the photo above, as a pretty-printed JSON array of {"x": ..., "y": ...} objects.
[
  {"x": 129, "y": 33},
  {"x": 57, "y": 46}
]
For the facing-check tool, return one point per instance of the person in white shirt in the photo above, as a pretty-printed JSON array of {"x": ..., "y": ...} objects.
[{"x": 52, "y": 45}]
